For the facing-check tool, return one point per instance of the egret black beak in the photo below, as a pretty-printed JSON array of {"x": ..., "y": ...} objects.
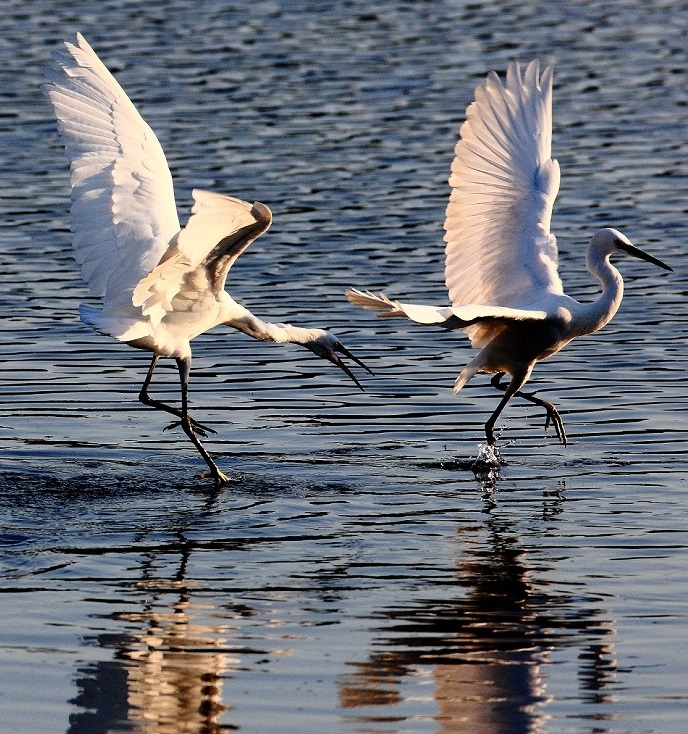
[
  {"x": 636, "y": 252},
  {"x": 335, "y": 359}
]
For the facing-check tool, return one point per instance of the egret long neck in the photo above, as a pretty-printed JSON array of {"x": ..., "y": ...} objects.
[
  {"x": 595, "y": 315},
  {"x": 268, "y": 332},
  {"x": 242, "y": 319}
]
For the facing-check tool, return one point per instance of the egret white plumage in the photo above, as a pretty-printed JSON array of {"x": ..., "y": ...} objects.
[
  {"x": 501, "y": 259},
  {"x": 161, "y": 285}
]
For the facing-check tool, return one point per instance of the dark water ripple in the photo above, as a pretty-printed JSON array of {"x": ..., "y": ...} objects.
[{"x": 360, "y": 577}]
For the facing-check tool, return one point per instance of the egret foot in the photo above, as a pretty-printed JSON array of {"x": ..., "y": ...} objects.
[
  {"x": 488, "y": 458},
  {"x": 554, "y": 419},
  {"x": 219, "y": 477},
  {"x": 197, "y": 427},
  {"x": 553, "y": 416}
]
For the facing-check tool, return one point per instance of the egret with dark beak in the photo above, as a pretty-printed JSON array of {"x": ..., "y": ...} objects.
[
  {"x": 161, "y": 285},
  {"x": 501, "y": 259}
]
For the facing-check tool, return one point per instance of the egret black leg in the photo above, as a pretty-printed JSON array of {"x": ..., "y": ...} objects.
[
  {"x": 146, "y": 399},
  {"x": 553, "y": 415},
  {"x": 184, "y": 367},
  {"x": 509, "y": 391}
]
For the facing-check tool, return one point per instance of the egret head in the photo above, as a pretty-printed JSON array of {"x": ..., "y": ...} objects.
[
  {"x": 328, "y": 347},
  {"x": 607, "y": 241}
]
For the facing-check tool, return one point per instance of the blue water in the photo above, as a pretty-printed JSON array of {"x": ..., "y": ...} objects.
[{"x": 362, "y": 578}]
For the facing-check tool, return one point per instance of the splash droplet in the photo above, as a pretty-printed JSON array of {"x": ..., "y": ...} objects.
[{"x": 488, "y": 457}]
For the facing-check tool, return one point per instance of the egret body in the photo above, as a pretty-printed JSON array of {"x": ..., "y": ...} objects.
[
  {"x": 501, "y": 259},
  {"x": 161, "y": 285}
]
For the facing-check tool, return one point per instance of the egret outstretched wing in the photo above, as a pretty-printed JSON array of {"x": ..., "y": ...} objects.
[
  {"x": 220, "y": 228},
  {"x": 123, "y": 212},
  {"x": 499, "y": 248}
]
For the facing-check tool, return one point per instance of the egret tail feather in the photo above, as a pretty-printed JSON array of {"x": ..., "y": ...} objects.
[
  {"x": 472, "y": 368},
  {"x": 123, "y": 329}
]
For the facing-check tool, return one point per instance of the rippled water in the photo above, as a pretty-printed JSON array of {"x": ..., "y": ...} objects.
[{"x": 361, "y": 578}]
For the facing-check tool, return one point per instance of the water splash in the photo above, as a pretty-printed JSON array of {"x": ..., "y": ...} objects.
[
  {"x": 486, "y": 466},
  {"x": 488, "y": 457}
]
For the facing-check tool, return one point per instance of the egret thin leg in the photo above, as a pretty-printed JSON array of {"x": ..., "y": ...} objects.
[
  {"x": 184, "y": 367},
  {"x": 146, "y": 399},
  {"x": 553, "y": 415},
  {"x": 517, "y": 381}
]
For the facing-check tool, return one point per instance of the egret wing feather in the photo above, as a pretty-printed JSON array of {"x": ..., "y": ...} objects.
[
  {"x": 219, "y": 229},
  {"x": 123, "y": 213},
  {"x": 388, "y": 309},
  {"x": 215, "y": 219},
  {"x": 461, "y": 317},
  {"x": 499, "y": 249}
]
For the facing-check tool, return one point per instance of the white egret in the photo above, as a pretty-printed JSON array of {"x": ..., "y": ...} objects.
[
  {"x": 161, "y": 285},
  {"x": 501, "y": 259}
]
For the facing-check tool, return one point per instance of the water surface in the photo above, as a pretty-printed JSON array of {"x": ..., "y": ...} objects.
[{"x": 361, "y": 578}]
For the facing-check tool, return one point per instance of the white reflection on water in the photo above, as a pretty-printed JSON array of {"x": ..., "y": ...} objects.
[
  {"x": 487, "y": 647},
  {"x": 168, "y": 672},
  {"x": 473, "y": 652}
]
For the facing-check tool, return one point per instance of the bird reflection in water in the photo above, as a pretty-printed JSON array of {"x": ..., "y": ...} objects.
[
  {"x": 168, "y": 676},
  {"x": 484, "y": 653}
]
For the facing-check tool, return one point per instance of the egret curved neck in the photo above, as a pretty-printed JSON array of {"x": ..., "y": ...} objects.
[{"x": 595, "y": 315}]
